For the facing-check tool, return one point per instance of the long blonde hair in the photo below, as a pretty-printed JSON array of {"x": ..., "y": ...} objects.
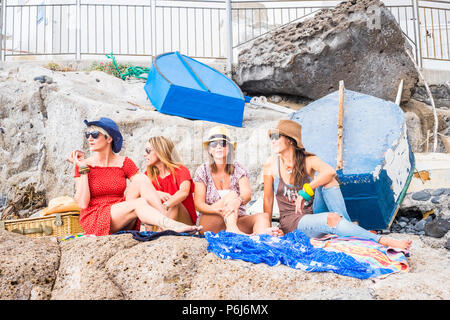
[{"x": 167, "y": 154}]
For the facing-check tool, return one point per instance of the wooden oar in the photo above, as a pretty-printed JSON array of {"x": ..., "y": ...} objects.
[{"x": 340, "y": 163}]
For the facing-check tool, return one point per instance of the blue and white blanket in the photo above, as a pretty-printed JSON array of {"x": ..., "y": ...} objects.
[{"x": 293, "y": 249}]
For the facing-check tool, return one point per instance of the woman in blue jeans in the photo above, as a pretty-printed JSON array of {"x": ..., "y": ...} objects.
[{"x": 308, "y": 195}]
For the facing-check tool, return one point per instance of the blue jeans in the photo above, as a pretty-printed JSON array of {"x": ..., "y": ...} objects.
[
  {"x": 328, "y": 200},
  {"x": 315, "y": 226}
]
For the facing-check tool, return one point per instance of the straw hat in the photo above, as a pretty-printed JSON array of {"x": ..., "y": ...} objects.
[
  {"x": 291, "y": 129},
  {"x": 59, "y": 205},
  {"x": 218, "y": 133}
]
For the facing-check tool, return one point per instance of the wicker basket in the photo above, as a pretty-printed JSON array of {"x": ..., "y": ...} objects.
[{"x": 56, "y": 225}]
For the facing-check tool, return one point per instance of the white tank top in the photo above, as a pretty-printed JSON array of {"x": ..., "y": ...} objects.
[{"x": 223, "y": 193}]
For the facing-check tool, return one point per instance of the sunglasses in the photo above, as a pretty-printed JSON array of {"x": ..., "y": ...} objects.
[
  {"x": 93, "y": 134},
  {"x": 274, "y": 136},
  {"x": 214, "y": 144}
]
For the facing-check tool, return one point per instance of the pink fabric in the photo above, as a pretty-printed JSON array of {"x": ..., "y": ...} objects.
[{"x": 203, "y": 174}]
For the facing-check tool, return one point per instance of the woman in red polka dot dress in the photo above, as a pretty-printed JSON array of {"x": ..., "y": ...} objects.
[{"x": 100, "y": 183}]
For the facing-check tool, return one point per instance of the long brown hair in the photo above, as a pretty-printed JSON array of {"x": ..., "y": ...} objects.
[
  {"x": 166, "y": 152},
  {"x": 299, "y": 168}
]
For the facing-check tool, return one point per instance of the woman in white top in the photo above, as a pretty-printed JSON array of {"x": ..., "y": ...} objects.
[{"x": 222, "y": 188}]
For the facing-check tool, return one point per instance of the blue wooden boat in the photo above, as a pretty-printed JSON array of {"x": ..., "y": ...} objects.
[
  {"x": 378, "y": 162},
  {"x": 179, "y": 85}
]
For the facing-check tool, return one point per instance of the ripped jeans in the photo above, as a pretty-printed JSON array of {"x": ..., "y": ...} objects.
[{"x": 328, "y": 200}]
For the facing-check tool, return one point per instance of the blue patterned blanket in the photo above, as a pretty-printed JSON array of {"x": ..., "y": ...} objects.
[{"x": 293, "y": 249}]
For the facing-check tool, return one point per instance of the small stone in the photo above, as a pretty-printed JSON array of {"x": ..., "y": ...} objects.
[
  {"x": 403, "y": 224},
  {"x": 275, "y": 99},
  {"x": 403, "y": 219},
  {"x": 437, "y": 228},
  {"x": 447, "y": 244},
  {"x": 420, "y": 226},
  {"x": 438, "y": 192},
  {"x": 435, "y": 200},
  {"x": 421, "y": 196}
]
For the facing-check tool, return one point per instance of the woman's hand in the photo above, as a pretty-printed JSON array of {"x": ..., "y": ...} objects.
[
  {"x": 299, "y": 204},
  {"x": 77, "y": 158},
  {"x": 164, "y": 195},
  {"x": 232, "y": 206}
]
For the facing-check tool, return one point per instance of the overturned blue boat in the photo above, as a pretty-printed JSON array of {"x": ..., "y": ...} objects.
[
  {"x": 378, "y": 162},
  {"x": 179, "y": 85}
]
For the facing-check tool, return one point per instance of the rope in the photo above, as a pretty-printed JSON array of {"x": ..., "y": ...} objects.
[{"x": 132, "y": 71}]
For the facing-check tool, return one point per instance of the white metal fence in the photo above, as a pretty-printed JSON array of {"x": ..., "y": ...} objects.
[{"x": 200, "y": 29}]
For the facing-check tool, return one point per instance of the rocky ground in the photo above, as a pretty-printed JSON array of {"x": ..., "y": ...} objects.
[
  {"x": 41, "y": 120},
  {"x": 118, "y": 267}
]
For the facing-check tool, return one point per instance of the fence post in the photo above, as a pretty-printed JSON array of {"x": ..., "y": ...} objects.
[
  {"x": 417, "y": 31},
  {"x": 152, "y": 28},
  {"x": 229, "y": 38},
  {"x": 78, "y": 30},
  {"x": 2, "y": 31}
]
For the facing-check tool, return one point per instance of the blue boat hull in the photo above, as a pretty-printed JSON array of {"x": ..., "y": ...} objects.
[
  {"x": 378, "y": 161},
  {"x": 181, "y": 86}
]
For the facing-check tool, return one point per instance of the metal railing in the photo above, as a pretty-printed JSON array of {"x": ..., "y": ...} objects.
[{"x": 200, "y": 29}]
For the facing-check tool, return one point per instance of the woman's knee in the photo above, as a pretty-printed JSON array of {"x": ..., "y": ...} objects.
[{"x": 333, "y": 219}]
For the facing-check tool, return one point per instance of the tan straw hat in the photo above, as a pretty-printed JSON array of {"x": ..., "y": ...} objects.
[
  {"x": 60, "y": 205},
  {"x": 291, "y": 129},
  {"x": 218, "y": 133}
]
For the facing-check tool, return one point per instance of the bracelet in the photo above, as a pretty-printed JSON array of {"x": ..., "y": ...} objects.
[
  {"x": 304, "y": 195},
  {"x": 166, "y": 205},
  {"x": 84, "y": 170},
  {"x": 308, "y": 189}
]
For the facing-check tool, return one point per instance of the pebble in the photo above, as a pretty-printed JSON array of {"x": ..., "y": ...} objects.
[
  {"x": 447, "y": 244},
  {"x": 420, "y": 226},
  {"x": 421, "y": 196},
  {"x": 437, "y": 192}
]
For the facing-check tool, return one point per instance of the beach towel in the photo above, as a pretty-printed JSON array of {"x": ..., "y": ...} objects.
[
  {"x": 297, "y": 251},
  {"x": 383, "y": 260}
]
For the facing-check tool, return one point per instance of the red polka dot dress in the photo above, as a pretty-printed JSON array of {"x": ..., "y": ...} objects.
[{"x": 107, "y": 187}]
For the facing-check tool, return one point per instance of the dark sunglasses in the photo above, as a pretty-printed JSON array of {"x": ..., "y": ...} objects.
[
  {"x": 274, "y": 136},
  {"x": 93, "y": 134},
  {"x": 214, "y": 144}
]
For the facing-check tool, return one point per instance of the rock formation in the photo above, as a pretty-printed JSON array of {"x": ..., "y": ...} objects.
[
  {"x": 41, "y": 123},
  {"x": 117, "y": 267},
  {"x": 357, "y": 41}
]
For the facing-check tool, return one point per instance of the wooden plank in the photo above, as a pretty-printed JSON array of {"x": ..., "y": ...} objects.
[{"x": 340, "y": 163}]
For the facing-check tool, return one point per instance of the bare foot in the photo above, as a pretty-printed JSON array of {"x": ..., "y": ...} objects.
[
  {"x": 399, "y": 244},
  {"x": 273, "y": 231},
  {"x": 169, "y": 224}
]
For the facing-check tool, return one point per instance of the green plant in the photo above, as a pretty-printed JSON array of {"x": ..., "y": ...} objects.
[{"x": 109, "y": 68}]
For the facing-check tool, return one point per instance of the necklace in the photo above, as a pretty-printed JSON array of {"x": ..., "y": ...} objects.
[{"x": 288, "y": 168}]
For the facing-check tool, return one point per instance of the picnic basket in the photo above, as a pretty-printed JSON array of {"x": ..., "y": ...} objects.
[{"x": 56, "y": 225}]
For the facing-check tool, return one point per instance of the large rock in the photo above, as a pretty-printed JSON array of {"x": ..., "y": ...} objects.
[
  {"x": 118, "y": 267},
  {"x": 41, "y": 123},
  {"x": 419, "y": 119},
  {"x": 28, "y": 267},
  {"x": 359, "y": 42}
]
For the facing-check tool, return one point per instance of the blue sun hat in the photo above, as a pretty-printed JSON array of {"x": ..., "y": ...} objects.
[{"x": 113, "y": 130}]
